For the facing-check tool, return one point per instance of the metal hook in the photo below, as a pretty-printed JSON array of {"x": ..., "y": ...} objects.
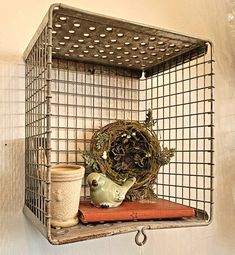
[{"x": 137, "y": 241}]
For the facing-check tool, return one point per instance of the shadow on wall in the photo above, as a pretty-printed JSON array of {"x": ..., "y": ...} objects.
[
  {"x": 11, "y": 139},
  {"x": 11, "y": 185},
  {"x": 224, "y": 196},
  {"x": 12, "y": 176}
]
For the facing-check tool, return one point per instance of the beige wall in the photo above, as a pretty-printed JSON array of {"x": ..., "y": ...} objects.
[{"x": 201, "y": 18}]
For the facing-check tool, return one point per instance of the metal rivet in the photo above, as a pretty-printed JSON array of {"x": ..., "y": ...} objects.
[
  {"x": 63, "y": 18},
  {"x": 77, "y": 25},
  {"x": 92, "y": 28},
  {"x": 61, "y": 232}
]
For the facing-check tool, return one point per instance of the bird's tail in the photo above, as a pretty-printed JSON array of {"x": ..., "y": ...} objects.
[{"x": 129, "y": 183}]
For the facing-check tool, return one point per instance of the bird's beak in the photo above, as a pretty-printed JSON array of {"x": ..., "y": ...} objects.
[{"x": 94, "y": 183}]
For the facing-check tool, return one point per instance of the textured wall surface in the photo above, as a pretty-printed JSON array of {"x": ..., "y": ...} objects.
[{"x": 200, "y": 18}]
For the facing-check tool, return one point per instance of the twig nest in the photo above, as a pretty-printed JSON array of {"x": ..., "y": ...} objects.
[{"x": 125, "y": 149}]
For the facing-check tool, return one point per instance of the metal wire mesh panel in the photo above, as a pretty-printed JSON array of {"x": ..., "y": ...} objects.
[
  {"x": 86, "y": 97},
  {"x": 36, "y": 128},
  {"x": 181, "y": 98}
]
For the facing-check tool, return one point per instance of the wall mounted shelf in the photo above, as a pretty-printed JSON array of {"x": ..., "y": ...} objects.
[{"x": 83, "y": 71}]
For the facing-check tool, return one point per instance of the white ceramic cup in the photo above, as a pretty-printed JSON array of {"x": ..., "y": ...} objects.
[{"x": 66, "y": 181}]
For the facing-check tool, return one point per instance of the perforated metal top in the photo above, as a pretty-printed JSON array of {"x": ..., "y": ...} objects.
[{"x": 89, "y": 37}]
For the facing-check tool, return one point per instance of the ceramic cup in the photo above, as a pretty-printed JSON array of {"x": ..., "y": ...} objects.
[{"x": 66, "y": 181}]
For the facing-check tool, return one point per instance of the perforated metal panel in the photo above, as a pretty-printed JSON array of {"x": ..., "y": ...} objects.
[{"x": 97, "y": 39}]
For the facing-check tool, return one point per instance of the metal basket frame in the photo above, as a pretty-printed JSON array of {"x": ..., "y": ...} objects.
[{"x": 179, "y": 90}]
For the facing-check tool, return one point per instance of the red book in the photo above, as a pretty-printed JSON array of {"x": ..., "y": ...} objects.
[{"x": 133, "y": 211}]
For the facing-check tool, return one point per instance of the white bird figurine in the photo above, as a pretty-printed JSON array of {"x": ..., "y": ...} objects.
[{"x": 106, "y": 193}]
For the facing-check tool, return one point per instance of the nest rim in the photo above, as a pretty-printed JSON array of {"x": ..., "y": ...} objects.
[{"x": 114, "y": 130}]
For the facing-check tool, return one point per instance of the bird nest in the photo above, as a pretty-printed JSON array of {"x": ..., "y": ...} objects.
[{"x": 125, "y": 149}]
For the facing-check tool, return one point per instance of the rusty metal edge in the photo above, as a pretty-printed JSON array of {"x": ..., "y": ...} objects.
[
  {"x": 211, "y": 52},
  {"x": 123, "y": 228},
  {"x": 29, "y": 214},
  {"x": 115, "y": 229},
  {"x": 39, "y": 31}
]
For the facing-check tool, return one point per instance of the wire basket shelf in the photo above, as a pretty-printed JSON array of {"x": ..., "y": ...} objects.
[{"x": 84, "y": 71}]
